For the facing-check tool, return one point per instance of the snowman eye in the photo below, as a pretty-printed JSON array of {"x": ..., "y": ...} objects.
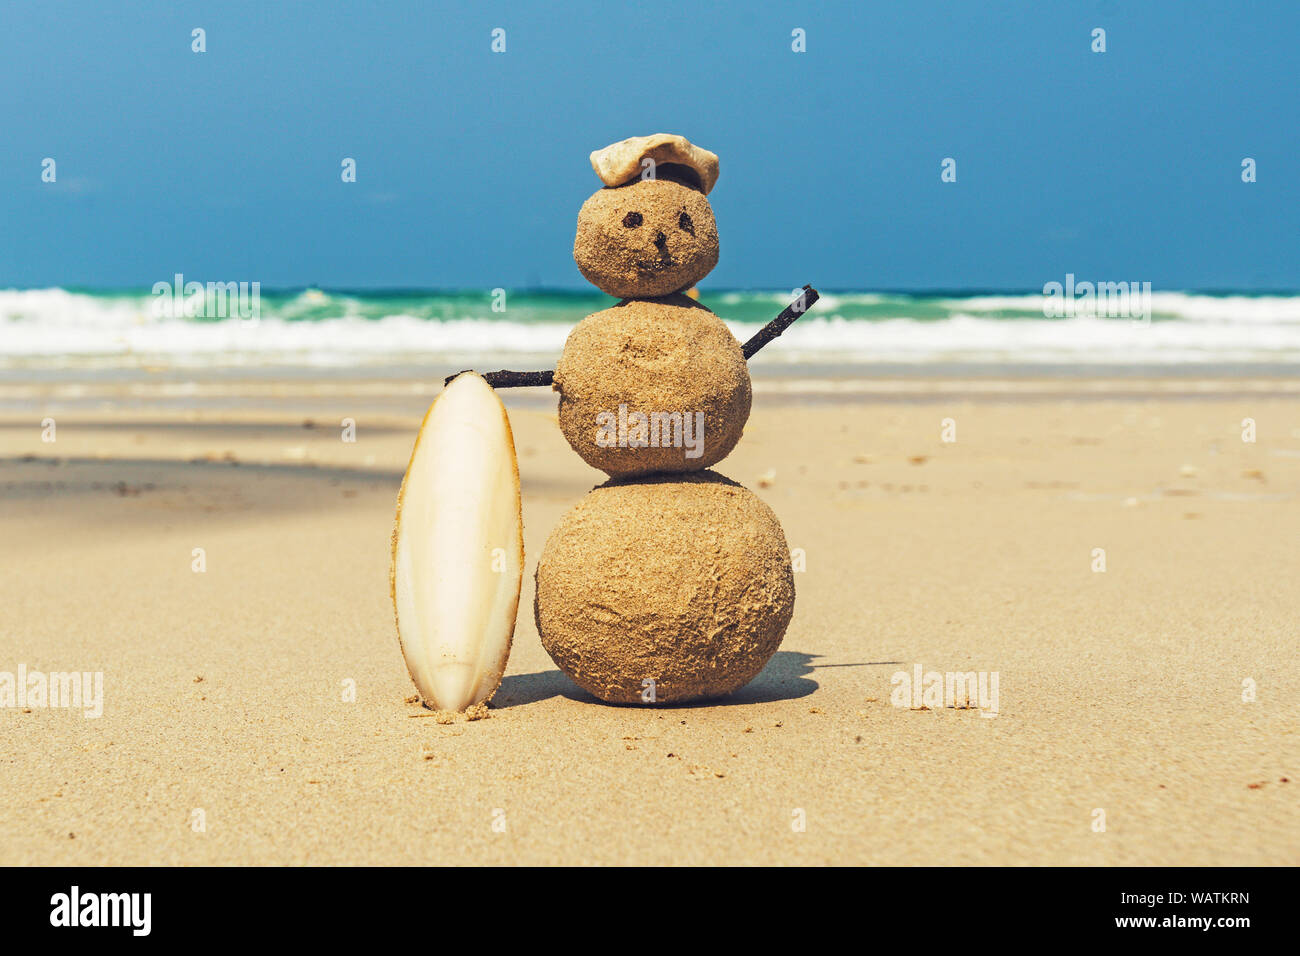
[
  {"x": 685, "y": 224},
  {"x": 632, "y": 220}
]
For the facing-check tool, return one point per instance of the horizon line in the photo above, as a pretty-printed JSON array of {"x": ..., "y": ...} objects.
[{"x": 397, "y": 290}]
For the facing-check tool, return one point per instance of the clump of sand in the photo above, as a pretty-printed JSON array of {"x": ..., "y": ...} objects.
[
  {"x": 684, "y": 581},
  {"x": 671, "y": 358}
]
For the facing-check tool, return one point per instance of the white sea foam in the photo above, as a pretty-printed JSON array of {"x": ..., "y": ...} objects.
[
  {"x": 1267, "y": 310},
  {"x": 1079, "y": 340},
  {"x": 55, "y": 328}
]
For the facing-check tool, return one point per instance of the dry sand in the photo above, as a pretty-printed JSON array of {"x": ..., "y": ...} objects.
[{"x": 224, "y": 690}]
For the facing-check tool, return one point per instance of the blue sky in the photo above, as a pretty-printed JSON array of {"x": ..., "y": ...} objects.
[{"x": 472, "y": 165}]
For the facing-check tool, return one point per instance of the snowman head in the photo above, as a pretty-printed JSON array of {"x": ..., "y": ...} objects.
[{"x": 650, "y": 232}]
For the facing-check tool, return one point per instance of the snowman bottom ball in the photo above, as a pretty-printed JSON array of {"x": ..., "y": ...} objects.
[{"x": 667, "y": 589}]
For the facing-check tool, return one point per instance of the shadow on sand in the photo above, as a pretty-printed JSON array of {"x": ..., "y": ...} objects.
[{"x": 786, "y": 677}]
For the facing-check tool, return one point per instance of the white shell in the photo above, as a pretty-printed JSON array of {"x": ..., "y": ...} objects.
[{"x": 458, "y": 548}]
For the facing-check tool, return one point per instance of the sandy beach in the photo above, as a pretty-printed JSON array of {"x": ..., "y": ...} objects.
[{"x": 225, "y": 690}]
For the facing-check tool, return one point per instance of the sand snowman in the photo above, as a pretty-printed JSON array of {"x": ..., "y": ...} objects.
[{"x": 669, "y": 582}]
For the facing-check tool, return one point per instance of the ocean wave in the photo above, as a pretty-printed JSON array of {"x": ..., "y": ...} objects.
[
  {"x": 1193, "y": 307},
  {"x": 1079, "y": 340},
  {"x": 55, "y": 327}
]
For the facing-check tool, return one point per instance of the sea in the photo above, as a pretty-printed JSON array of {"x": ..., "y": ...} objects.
[{"x": 73, "y": 330}]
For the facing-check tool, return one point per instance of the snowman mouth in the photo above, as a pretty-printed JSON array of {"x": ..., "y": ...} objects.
[{"x": 661, "y": 262}]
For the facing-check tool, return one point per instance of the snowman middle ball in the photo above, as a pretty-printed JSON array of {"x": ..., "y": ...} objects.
[{"x": 652, "y": 385}]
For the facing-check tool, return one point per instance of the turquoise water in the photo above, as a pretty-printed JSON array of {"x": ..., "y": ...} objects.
[{"x": 312, "y": 327}]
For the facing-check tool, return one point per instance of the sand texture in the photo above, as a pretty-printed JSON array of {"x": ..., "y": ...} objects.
[
  {"x": 650, "y": 238},
  {"x": 227, "y": 735},
  {"x": 670, "y": 365},
  {"x": 684, "y": 581}
]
